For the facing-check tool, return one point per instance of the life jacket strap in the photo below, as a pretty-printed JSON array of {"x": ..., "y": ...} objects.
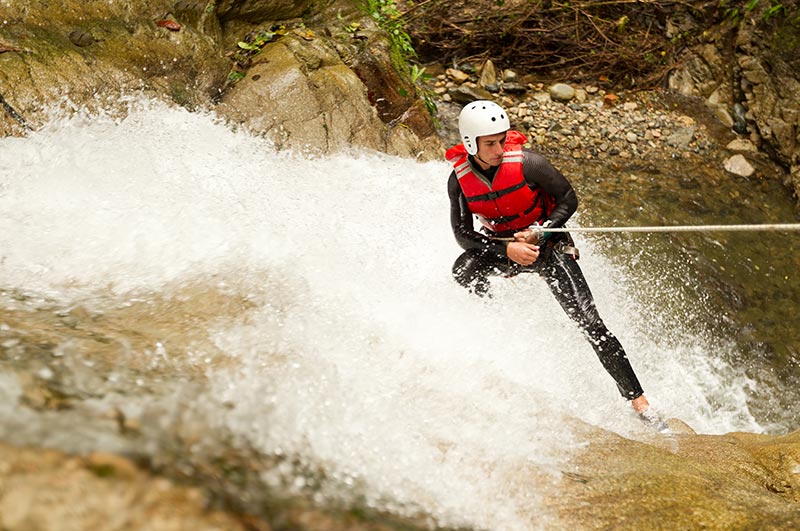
[
  {"x": 496, "y": 194},
  {"x": 506, "y": 219}
]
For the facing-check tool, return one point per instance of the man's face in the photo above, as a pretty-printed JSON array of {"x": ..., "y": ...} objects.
[{"x": 490, "y": 148}]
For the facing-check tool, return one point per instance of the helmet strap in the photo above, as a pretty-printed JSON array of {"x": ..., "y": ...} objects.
[{"x": 483, "y": 161}]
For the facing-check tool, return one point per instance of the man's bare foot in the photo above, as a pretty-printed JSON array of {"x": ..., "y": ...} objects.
[
  {"x": 648, "y": 416},
  {"x": 640, "y": 404}
]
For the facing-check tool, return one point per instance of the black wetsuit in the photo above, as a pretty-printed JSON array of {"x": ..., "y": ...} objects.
[{"x": 485, "y": 256}]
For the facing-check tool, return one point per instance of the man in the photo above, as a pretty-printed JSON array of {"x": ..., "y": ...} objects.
[{"x": 510, "y": 190}]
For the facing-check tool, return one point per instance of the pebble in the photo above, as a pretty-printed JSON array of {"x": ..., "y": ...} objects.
[
  {"x": 584, "y": 121},
  {"x": 81, "y": 38},
  {"x": 561, "y": 92},
  {"x": 741, "y": 144},
  {"x": 457, "y": 75},
  {"x": 738, "y": 165}
]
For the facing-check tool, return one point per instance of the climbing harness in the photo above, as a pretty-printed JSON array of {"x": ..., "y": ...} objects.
[{"x": 566, "y": 248}]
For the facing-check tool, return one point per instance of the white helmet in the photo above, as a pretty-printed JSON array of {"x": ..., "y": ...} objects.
[{"x": 481, "y": 118}]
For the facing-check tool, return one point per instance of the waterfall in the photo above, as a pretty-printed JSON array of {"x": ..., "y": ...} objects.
[{"x": 310, "y": 301}]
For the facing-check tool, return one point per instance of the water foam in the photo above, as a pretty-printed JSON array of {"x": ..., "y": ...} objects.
[{"x": 361, "y": 357}]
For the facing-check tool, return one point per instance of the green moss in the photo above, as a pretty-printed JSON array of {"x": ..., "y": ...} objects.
[
  {"x": 786, "y": 38},
  {"x": 102, "y": 471},
  {"x": 180, "y": 95}
]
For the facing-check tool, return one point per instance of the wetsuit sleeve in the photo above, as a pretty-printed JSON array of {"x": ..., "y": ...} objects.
[
  {"x": 539, "y": 172},
  {"x": 462, "y": 224}
]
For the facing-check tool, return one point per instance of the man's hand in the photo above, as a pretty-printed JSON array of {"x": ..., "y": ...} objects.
[
  {"x": 535, "y": 234},
  {"x": 527, "y": 236},
  {"x": 522, "y": 252}
]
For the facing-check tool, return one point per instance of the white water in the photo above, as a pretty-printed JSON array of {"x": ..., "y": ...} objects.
[{"x": 361, "y": 356}]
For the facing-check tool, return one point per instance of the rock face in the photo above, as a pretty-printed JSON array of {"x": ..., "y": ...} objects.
[
  {"x": 118, "y": 50},
  {"x": 48, "y": 490},
  {"x": 307, "y": 89},
  {"x": 257, "y": 10},
  {"x": 304, "y": 99},
  {"x": 684, "y": 481},
  {"x": 325, "y": 95},
  {"x": 749, "y": 72}
]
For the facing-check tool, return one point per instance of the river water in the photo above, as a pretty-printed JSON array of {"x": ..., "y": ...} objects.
[{"x": 172, "y": 288}]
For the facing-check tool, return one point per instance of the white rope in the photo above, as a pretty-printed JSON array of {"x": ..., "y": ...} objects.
[{"x": 774, "y": 227}]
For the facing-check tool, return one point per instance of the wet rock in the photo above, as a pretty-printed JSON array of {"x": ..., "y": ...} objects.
[
  {"x": 325, "y": 107},
  {"x": 81, "y": 38},
  {"x": 257, "y": 11},
  {"x": 741, "y": 481},
  {"x": 387, "y": 91},
  {"x": 741, "y": 144},
  {"x": 131, "y": 59},
  {"x": 739, "y": 119},
  {"x": 49, "y": 491},
  {"x": 738, "y": 165},
  {"x": 192, "y": 70},
  {"x": 723, "y": 115}
]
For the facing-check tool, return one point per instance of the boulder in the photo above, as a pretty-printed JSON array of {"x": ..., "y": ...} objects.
[
  {"x": 316, "y": 87},
  {"x": 120, "y": 50},
  {"x": 48, "y": 491},
  {"x": 302, "y": 96},
  {"x": 682, "y": 481}
]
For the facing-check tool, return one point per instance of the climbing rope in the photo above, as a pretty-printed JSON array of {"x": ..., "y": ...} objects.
[{"x": 772, "y": 227}]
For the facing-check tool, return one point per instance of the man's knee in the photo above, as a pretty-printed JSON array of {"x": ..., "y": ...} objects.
[{"x": 470, "y": 272}]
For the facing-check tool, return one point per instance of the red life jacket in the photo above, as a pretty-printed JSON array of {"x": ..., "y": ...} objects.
[{"x": 508, "y": 203}]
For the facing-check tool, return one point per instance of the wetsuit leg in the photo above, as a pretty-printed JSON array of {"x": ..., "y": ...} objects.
[
  {"x": 473, "y": 267},
  {"x": 565, "y": 279}
]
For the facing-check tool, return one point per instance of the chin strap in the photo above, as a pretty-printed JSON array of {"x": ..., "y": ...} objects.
[{"x": 480, "y": 159}]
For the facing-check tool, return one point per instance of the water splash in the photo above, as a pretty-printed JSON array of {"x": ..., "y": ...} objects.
[{"x": 355, "y": 352}]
